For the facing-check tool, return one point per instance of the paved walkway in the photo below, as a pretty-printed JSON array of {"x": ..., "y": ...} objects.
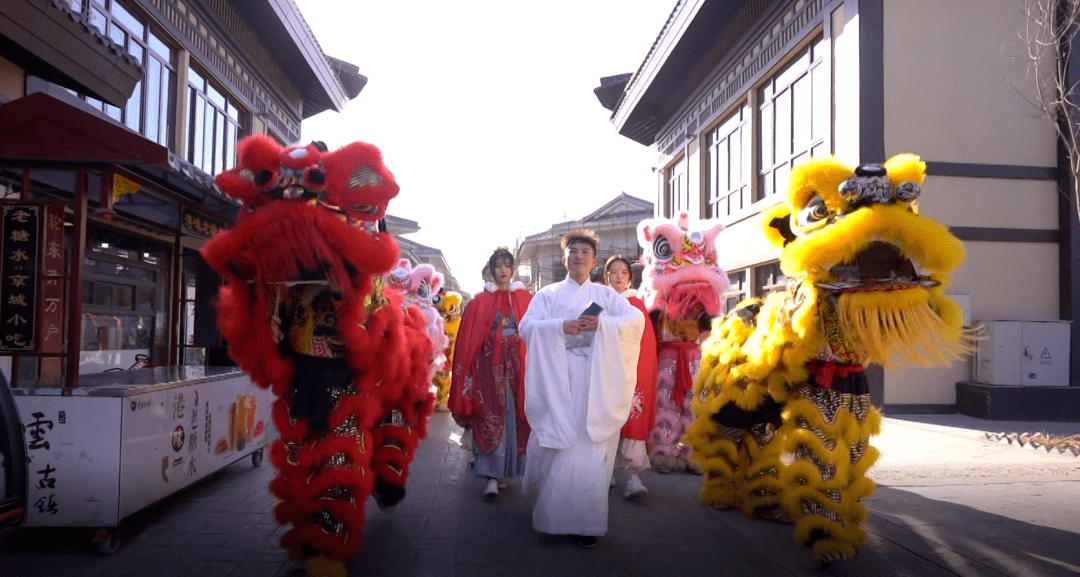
[{"x": 949, "y": 502}]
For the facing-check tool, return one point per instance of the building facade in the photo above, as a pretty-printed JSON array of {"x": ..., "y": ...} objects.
[
  {"x": 114, "y": 115},
  {"x": 418, "y": 253},
  {"x": 734, "y": 93},
  {"x": 539, "y": 257}
]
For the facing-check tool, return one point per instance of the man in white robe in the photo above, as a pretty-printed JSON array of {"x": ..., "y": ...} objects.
[{"x": 579, "y": 383}]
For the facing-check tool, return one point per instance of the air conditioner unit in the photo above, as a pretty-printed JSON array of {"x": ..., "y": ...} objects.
[{"x": 1034, "y": 353}]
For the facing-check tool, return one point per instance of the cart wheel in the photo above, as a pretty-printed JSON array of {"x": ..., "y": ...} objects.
[
  {"x": 106, "y": 542},
  {"x": 256, "y": 458}
]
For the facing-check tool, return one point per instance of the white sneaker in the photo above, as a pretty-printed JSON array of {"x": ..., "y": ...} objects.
[
  {"x": 492, "y": 488},
  {"x": 635, "y": 489},
  {"x": 503, "y": 483}
]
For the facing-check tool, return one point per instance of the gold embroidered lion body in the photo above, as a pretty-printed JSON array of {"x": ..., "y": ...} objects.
[{"x": 782, "y": 409}]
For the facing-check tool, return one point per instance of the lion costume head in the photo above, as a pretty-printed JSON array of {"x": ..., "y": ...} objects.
[
  {"x": 448, "y": 303},
  {"x": 681, "y": 276},
  {"x": 854, "y": 236}
]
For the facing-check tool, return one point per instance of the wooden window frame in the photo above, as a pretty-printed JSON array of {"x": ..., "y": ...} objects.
[
  {"x": 728, "y": 184},
  {"x": 676, "y": 187},
  {"x": 807, "y": 69},
  {"x": 149, "y": 111},
  {"x": 216, "y": 153},
  {"x": 768, "y": 278}
]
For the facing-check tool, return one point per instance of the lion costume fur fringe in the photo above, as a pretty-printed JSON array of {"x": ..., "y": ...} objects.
[{"x": 308, "y": 220}]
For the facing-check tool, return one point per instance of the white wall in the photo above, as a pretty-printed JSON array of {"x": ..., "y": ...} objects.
[
  {"x": 954, "y": 92},
  {"x": 954, "y": 82}
]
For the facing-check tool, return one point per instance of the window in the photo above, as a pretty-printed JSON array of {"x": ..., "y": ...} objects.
[
  {"x": 213, "y": 126},
  {"x": 768, "y": 278},
  {"x": 199, "y": 338},
  {"x": 149, "y": 110},
  {"x": 736, "y": 291},
  {"x": 794, "y": 113},
  {"x": 728, "y": 170},
  {"x": 189, "y": 353},
  {"x": 124, "y": 302},
  {"x": 676, "y": 192}
]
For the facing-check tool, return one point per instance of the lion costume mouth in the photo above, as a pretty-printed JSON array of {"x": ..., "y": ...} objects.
[
  {"x": 889, "y": 312},
  {"x": 879, "y": 267}
]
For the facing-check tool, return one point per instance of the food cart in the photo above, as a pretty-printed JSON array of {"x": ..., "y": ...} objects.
[{"x": 123, "y": 440}]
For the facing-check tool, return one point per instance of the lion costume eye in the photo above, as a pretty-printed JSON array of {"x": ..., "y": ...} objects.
[
  {"x": 814, "y": 212},
  {"x": 264, "y": 180},
  {"x": 314, "y": 178},
  {"x": 422, "y": 290},
  {"x": 662, "y": 249}
]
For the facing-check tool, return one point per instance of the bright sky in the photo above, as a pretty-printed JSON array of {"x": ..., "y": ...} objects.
[{"x": 485, "y": 111}]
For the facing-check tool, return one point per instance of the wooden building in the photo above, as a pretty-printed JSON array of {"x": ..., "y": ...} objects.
[{"x": 114, "y": 115}]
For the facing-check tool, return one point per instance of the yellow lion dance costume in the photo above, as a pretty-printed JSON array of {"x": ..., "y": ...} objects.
[
  {"x": 782, "y": 408},
  {"x": 448, "y": 304}
]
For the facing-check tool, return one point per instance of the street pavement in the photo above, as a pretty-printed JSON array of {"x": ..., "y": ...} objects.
[{"x": 949, "y": 502}]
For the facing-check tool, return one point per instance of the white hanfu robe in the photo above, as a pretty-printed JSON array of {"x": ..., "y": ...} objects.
[{"x": 578, "y": 391}]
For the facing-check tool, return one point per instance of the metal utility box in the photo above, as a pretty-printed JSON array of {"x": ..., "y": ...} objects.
[{"x": 1034, "y": 353}]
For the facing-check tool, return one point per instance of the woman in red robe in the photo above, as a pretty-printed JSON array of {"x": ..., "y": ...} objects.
[
  {"x": 487, "y": 390},
  {"x": 632, "y": 455}
]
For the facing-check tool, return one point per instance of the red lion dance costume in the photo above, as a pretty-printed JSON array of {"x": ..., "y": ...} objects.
[{"x": 304, "y": 313}]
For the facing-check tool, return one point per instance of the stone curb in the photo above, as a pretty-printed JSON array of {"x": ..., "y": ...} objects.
[{"x": 1015, "y": 439}]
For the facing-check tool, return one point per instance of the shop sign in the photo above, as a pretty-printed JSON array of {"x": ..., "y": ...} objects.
[
  {"x": 174, "y": 437},
  {"x": 19, "y": 248},
  {"x": 51, "y": 308},
  {"x": 195, "y": 224}
]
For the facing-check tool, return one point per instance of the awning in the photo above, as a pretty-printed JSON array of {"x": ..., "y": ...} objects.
[{"x": 41, "y": 128}]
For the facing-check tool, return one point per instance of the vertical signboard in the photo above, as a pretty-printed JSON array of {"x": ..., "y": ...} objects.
[
  {"x": 18, "y": 275},
  {"x": 51, "y": 307}
]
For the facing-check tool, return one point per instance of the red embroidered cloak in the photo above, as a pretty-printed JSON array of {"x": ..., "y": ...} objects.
[
  {"x": 468, "y": 403},
  {"x": 643, "y": 411}
]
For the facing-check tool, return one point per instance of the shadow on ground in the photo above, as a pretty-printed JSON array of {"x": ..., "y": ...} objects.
[{"x": 914, "y": 534}]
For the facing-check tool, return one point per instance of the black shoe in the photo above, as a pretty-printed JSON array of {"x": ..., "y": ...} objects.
[
  {"x": 387, "y": 496},
  {"x": 379, "y": 502},
  {"x": 586, "y": 541}
]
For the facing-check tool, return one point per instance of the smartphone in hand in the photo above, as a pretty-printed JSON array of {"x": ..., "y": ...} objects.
[{"x": 592, "y": 310}]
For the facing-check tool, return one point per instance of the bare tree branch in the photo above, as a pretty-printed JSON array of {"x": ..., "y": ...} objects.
[{"x": 1049, "y": 34}]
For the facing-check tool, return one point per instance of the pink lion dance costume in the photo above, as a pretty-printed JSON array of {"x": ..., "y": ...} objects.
[
  {"x": 305, "y": 314},
  {"x": 682, "y": 286},
  {"x": 419, "y": 285}
]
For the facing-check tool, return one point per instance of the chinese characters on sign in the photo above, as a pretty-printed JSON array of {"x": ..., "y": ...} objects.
[
  {"x": 51, "y": 309},
  {"x": 193, "y": 444},
  {"x": 185, "y": 437},
  {"x": 198, "y": 225},
  {"x": 37, "y": 433},
  {"x": 18, "y": 276}
]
